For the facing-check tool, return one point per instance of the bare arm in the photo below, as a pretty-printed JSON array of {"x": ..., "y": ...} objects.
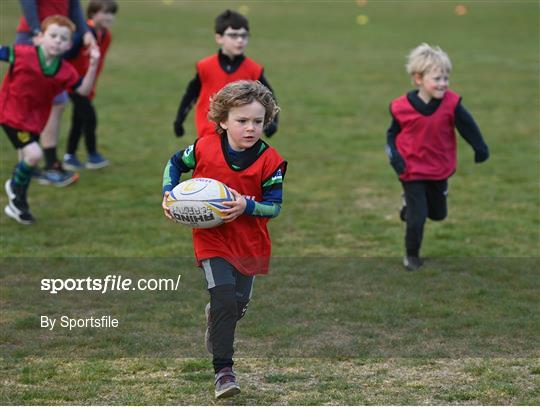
[{"x": 87, "y": 83}]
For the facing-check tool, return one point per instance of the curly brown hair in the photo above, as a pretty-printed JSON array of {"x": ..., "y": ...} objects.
[{"x": 241, "y": 93}]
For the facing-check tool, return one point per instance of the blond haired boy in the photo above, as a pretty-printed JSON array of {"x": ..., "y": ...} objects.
[{"x": 421, "y": 143}]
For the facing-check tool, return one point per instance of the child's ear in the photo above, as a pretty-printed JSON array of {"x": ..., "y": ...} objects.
[
  {"x": 219, "y": 39},
  {"x": 223, "y": 125},
  {"x": 417, "y": 79}
]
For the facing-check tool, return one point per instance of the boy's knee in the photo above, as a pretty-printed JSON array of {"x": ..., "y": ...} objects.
[
  {"x": 32, "y": 154},
  {"x": 437, "y": 217},
  {"x": 223, "y": 300}
]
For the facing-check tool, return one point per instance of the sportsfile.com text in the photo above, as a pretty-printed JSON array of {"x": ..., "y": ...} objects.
[{"x": 109, "y": 284}]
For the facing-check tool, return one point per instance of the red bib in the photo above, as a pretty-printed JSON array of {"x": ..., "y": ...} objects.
[
  {"x": 45, "y": 8},
  {"x": 426, "y": 143},
  {"x": 81, "y": 61},
  {"x": 213, "y": 78},
  {"x": 244, "y": 242},
  {"x": 27, "y": 93}
]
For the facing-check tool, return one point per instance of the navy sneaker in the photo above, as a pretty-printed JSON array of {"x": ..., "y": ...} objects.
[
  {"x": 72, "y": 163},
  {"x": 226, "y": 385},
  {"x": 412, "y": 263},
  {"x": 17, "y": 207},
  {"x": 96, "y": 161}
]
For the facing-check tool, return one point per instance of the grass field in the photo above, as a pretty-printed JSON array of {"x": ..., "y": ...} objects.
[{"x": 336, "y": 321}]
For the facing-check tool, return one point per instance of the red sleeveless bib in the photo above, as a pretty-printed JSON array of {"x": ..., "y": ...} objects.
[
  {"x": 244, "y": 242},
  {"x": 213, "y": 78},
  {"x": 81, "y": 61},
  {"x": 27, "y": 94},
  {"x": 426, "y": 143}
]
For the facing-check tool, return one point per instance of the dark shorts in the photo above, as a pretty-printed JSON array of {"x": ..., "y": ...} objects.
[
  {"x": 426, "y": 199},
  {"x": 19, "y": 138},
  {"x": 218, "y": 271}
]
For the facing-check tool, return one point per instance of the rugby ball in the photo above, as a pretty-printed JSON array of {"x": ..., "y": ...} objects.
[{"x": 198, "y": 202}]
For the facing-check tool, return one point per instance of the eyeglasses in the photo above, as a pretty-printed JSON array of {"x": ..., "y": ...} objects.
[{"x": 235, "y": 36}]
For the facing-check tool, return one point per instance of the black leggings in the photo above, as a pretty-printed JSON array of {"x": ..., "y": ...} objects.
[
  {"x": 225, "y": 311},
  {"x": 83, "y": 121},
  {"x": 230, "y": 292},
  {"x": 425, "y": 199}
]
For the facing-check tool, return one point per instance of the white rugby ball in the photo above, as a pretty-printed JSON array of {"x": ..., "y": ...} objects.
[{"x": 198, "y": 202}]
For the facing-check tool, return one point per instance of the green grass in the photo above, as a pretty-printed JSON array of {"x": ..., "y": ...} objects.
[
  {"x": 284, "y": 382},
  {"x": 336, "y": 321}
]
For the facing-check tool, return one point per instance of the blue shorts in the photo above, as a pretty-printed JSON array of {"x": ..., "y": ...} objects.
[
  {"x": 25, "y": 38},
  {"x": 218, "y": 271}
]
